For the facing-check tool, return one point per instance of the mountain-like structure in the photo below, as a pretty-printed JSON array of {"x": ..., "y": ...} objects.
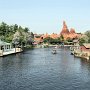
[
  {"x": 68, "y": 34},
  {"x": 72, "y": 31},
  {"x": 65, "y": 32},
  {"x": 64, "y": 29}
]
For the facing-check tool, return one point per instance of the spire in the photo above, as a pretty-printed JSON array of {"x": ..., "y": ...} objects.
[
  {"x": 64, "y": 24},
  {"x": 64, "y": 29}
]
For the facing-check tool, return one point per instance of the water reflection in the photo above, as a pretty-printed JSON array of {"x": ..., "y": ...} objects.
[{"x": 39, "y": 69}]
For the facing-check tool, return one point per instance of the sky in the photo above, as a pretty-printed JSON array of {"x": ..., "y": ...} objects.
[{"x": 46, "y": 16}]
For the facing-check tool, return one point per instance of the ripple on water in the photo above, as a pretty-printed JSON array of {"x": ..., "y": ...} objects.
[{"x": 39, "y": 69}]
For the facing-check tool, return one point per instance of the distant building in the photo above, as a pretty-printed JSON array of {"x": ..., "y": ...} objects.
[
  {"x": 68, "y": 34},
  {"x": 83, "y": 51},
  {"x": 5, "y": 46},
  {"x": 65, "y": 32},
  {"x": 6, "y": 49}
]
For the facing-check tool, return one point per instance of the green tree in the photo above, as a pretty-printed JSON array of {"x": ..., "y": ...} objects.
[
  {"x": 88, "y": 34},
  {"x": 47, "y": 40},
  {"x": 26, "y": 29},
  {"x": 69, "y": 39},
  {"x": 15, "y": 27},
  {"x": 61, "y": 38},
  {"x": 81, "y": 41},
  {"x": 16, "y": 34},
  {"x": 3, "y": 28}
]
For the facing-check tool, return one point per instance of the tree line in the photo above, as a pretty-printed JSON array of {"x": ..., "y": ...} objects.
[
  {"x": 85, "y": 38},
  {"x": 16, "y": 34}
]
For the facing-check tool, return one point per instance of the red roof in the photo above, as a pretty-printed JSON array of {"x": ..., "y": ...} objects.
[{"x": 83, "y": 48}]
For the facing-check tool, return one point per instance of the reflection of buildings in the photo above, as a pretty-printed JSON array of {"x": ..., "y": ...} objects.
[{"x": 65, "y": 33}]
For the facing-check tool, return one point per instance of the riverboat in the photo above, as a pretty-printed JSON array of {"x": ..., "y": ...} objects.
[{"x": 54, "y": 51}]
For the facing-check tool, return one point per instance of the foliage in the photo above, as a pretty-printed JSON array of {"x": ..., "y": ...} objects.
[
  {"x": 69, "y": 40},
  {"x": 88, "y": 34},
  {"x": 61, "y": 38},
  {"x": 89, "y": 40},
  {"x": 81, "y": 41},
  {"x": 47, "y": 40},
  {"x": 15, "y": 34},
  {"x": 58, "y": 40},
  {"x": 51, "y": 40}
]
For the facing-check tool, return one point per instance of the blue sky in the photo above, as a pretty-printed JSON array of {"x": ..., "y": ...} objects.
[{"x": 43, "y": 16}]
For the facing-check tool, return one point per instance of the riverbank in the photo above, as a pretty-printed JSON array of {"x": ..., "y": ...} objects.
[
  {"x": 81, "y": 51},
  {"x": 60, "y": 45}
]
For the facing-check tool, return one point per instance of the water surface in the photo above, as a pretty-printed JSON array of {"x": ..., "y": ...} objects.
[{"x": 39, "y": 69}]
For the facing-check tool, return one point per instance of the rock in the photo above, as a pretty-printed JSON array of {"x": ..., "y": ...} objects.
[{"x": 64, "y": 29}]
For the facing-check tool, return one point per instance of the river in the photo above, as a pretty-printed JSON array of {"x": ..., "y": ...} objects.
[{"x": 39, "y": 69}]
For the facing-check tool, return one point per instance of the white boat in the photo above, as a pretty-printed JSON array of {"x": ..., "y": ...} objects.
[
  {"x": 54, "y": 51},
  {"x": 57, "y": 46}
]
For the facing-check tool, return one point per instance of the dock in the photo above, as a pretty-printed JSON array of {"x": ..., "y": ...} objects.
[{"x": 10, "y": 51}]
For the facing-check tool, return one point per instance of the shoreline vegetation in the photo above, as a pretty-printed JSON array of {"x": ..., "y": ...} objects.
[{"x": 16, "y": 36}]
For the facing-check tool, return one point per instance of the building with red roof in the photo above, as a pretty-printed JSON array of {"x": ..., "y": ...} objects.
[
  {"x": 68, "y": 34},
  {"x": 65, "y": 32}
]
